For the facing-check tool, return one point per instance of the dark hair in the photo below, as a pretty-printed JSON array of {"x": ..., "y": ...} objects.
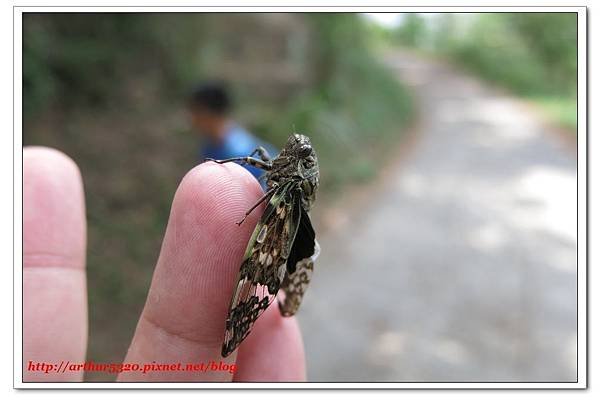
[{"x": 211, "y": 96}]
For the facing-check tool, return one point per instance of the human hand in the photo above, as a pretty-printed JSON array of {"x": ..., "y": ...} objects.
[{"x": 183, "y": 320}]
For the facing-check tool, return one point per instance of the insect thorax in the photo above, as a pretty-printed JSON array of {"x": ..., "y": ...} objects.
[{"x": 298, "y": 163}]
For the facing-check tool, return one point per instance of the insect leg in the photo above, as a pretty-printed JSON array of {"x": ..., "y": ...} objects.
[
  {"x": 261, "y": 200},
  {"x": 262, "y": 153},
  {"x": 265, "y": 165}
]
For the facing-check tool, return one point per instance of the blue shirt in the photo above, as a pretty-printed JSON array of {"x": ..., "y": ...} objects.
[{"x": 237, "y": 142}]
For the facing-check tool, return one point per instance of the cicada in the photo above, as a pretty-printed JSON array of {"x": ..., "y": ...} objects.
[{"x": 282, "y": 249}]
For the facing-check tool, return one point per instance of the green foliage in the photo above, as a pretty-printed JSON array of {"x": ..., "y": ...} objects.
[
  {"x": 358, "y": 109},
  {"x": 412, "y": 31},
  {"x": 561, "y": 110},
  {"x": 81, "y": 60},
  {"x": 108, "y": 89},
  {"x": 532, "y": 54},
  {"x": 93, "y": 61},
  {"x": 528, "y": 53},
  {"x": 552, "y": 37}
]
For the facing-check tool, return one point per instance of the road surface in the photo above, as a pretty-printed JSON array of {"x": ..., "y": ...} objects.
[{"x": 463, "y": 266}]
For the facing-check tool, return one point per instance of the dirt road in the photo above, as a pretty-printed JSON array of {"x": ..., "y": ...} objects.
[{"x": 463, "y": 267}]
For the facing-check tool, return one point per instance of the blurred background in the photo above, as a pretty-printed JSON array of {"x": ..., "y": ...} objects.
[{"x": 447, "y": 208}]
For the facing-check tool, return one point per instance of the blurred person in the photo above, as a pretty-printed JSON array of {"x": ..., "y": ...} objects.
[{"x": 210, "y": 107}]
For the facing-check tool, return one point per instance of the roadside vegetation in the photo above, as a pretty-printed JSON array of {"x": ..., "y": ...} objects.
[
  {"x": 532, "y": 54},
  {"x": 350, "y": 105}
]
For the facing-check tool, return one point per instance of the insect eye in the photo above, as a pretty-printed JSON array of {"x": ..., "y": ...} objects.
[{"x": 305, "y": 151}]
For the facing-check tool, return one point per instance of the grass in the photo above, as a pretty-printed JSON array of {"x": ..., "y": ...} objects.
[{"x": 561, "y": 111}]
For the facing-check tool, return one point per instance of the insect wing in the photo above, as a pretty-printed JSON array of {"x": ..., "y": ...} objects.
[
  {"x": 263, "y": 267},
  {"x": 300, "y": 265}
]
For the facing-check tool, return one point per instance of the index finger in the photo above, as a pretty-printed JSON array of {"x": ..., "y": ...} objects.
[{"x": 183, "y": 320}]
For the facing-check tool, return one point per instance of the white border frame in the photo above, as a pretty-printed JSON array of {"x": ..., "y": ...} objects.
[{"x": 581, "y": 193}]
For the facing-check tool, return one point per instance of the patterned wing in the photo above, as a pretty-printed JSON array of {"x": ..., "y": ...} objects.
[
  {"x": 300, "y": 265},
  {"x": 263, "y": 267}
]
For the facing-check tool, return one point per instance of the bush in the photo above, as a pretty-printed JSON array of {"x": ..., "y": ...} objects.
[{"x": 530, "y": 53}]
